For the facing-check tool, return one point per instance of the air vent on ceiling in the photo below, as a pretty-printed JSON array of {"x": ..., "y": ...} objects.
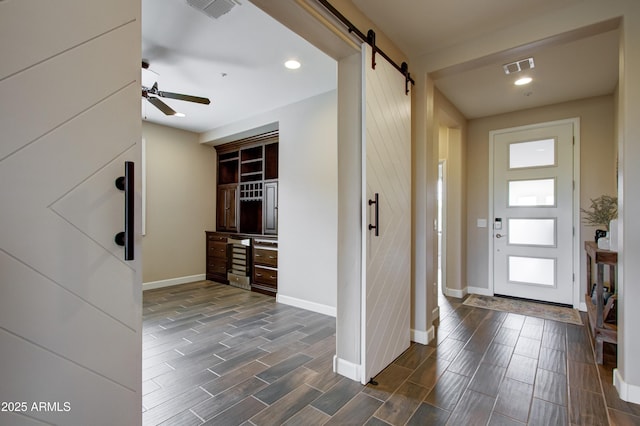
[
  {"x": 213, "y": 8},
  {"x": 521, "y": 65}
]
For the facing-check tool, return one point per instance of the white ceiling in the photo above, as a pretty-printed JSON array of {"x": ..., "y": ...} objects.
[{"x": 191, "y": 51}]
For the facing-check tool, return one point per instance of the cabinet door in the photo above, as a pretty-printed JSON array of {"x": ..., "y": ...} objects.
[
  {"x": 226, "y": 210},
  {"x": 270, "y": 208},
  {"x": 231, "y": 208}
]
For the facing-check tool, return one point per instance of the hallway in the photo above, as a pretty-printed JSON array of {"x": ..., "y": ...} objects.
[{"x": 214, "y": 354}]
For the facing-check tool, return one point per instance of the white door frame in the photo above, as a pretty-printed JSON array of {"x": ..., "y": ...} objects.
[
  {"x": 577, "y": 240},
  {"x": 443, "y": 227}
]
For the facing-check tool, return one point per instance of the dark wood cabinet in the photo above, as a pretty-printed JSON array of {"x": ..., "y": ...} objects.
[
  {"x": 261, "y": 264},
  {"x": 248, "y": 186},
  {"x": 270, "y": 205},
  {"x": 217, "y": 257},
  {"x": 271, "y": 161},
  {"x": 265, "y": 266},
  {"x": 227, "y": 208},
  {"x": 247, "y": 208}
]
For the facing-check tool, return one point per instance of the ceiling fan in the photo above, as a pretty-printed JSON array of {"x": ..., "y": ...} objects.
[{"x": 153, "y": 95}]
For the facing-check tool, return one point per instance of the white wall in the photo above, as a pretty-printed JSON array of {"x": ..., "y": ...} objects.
[
  {"x": 348, "y": 323},
  {"x": 307, "y": 198}
]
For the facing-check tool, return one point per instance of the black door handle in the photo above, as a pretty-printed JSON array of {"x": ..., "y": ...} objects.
[
  {"x": 125, "y": 183},
  {"x": 377, "y": 223}
]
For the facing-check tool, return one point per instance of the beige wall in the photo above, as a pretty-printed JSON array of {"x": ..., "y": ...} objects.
[
  {"x": 597, "y": 174},
  {"x": 181, "y": 191},
  {"x": 452, "y": 146}
]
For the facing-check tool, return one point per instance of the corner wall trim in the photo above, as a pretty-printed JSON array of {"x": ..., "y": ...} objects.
[
  {"x": 454, "y": 292},
  {"x": 421, "y": 336},
  {"x": 305, "y": 304},
  {"x": 627, "y": 392},
  {"x": 435, "y": 313},
  {"x": 346, "y": 368},
  {"x": 479, "y": 290},
  {"x": 173, "y": 281}
]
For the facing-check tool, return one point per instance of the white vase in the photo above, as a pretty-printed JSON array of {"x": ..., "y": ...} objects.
[
  {"x": 613, "y": 235},
  {"x": 603, "y": 243}
]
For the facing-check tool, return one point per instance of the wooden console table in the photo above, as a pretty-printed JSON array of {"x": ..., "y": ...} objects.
[{"x": 602, "y": 331}]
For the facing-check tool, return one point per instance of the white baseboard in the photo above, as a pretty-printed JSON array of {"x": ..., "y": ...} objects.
[
  {"x": 454, "y": 292},
  {"x": 479, "y": 290},
  {"x": 305, "y": 304},
  {"x": 435, "y": 314},
  {"x": 173, "y": 281},
  {"x": 626, "y": 391},
  {"x": 421, "y": 336},
  {"x": 347, "y": 368}
]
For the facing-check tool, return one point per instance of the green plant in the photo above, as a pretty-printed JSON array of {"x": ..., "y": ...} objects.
[{"x": 602, "y": 211}]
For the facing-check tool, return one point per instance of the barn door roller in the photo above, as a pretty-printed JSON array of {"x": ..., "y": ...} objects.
[{"x": 370, "y": 39}]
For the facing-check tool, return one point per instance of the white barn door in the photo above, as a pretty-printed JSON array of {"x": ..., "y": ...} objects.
[
  {"x": 70, "y": 305},
  {"x": 386, "y": 153}
]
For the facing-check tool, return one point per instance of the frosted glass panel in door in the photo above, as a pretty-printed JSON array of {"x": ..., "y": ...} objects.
[
  {"x": 532, "y": 232},
  {"x": 532, "y": 154},
  {"x": 532, "y": 270},
  {"x": 532, "y": 193}
]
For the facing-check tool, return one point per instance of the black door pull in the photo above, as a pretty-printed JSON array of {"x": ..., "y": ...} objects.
[
  {"x": 377, "y": 213},
  {"x": 125, "y": 183}
]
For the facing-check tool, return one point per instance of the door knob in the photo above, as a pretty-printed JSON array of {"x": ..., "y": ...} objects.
[{"x": 500, "y": 235}]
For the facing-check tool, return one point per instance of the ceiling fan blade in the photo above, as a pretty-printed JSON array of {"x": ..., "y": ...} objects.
[
  {"x": 182, "y": 97},
  {"x": 161, "y": 105}
]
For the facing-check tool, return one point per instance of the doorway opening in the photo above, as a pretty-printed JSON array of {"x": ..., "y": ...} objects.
[{"x": 440, "y": 230}]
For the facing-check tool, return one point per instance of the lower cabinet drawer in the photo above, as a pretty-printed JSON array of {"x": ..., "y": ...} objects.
[
  {"x": 265, "y": 257},
  {"x": 217, "y": 249},
  {"x": 215, "y": 237},
  {"x": 216, "y": 266},
  {"x": 265, "y": 276}
]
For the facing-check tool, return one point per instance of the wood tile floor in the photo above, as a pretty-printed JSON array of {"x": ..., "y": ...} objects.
[{"x": 217, "y": 355}]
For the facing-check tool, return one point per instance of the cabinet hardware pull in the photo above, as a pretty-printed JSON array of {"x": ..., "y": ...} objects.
[
  {"x": 272, "y": 277},
  {"x": 377, "y": 215},
  {"x": 272, "y": 257},
  {"x": 258, "y": 275}
]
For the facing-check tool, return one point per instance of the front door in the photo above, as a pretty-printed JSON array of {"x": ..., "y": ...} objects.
[
  {"x": 70, "y": 305},
  {"x": 387, "y": 212},
  {"x": 533, "y": 212}
]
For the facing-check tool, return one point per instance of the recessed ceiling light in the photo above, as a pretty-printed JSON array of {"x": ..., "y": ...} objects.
[
  {"x": 179, "y": 114},
  {"x": 522, "y": 81},
  {"x": 292, "y": 64}
]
